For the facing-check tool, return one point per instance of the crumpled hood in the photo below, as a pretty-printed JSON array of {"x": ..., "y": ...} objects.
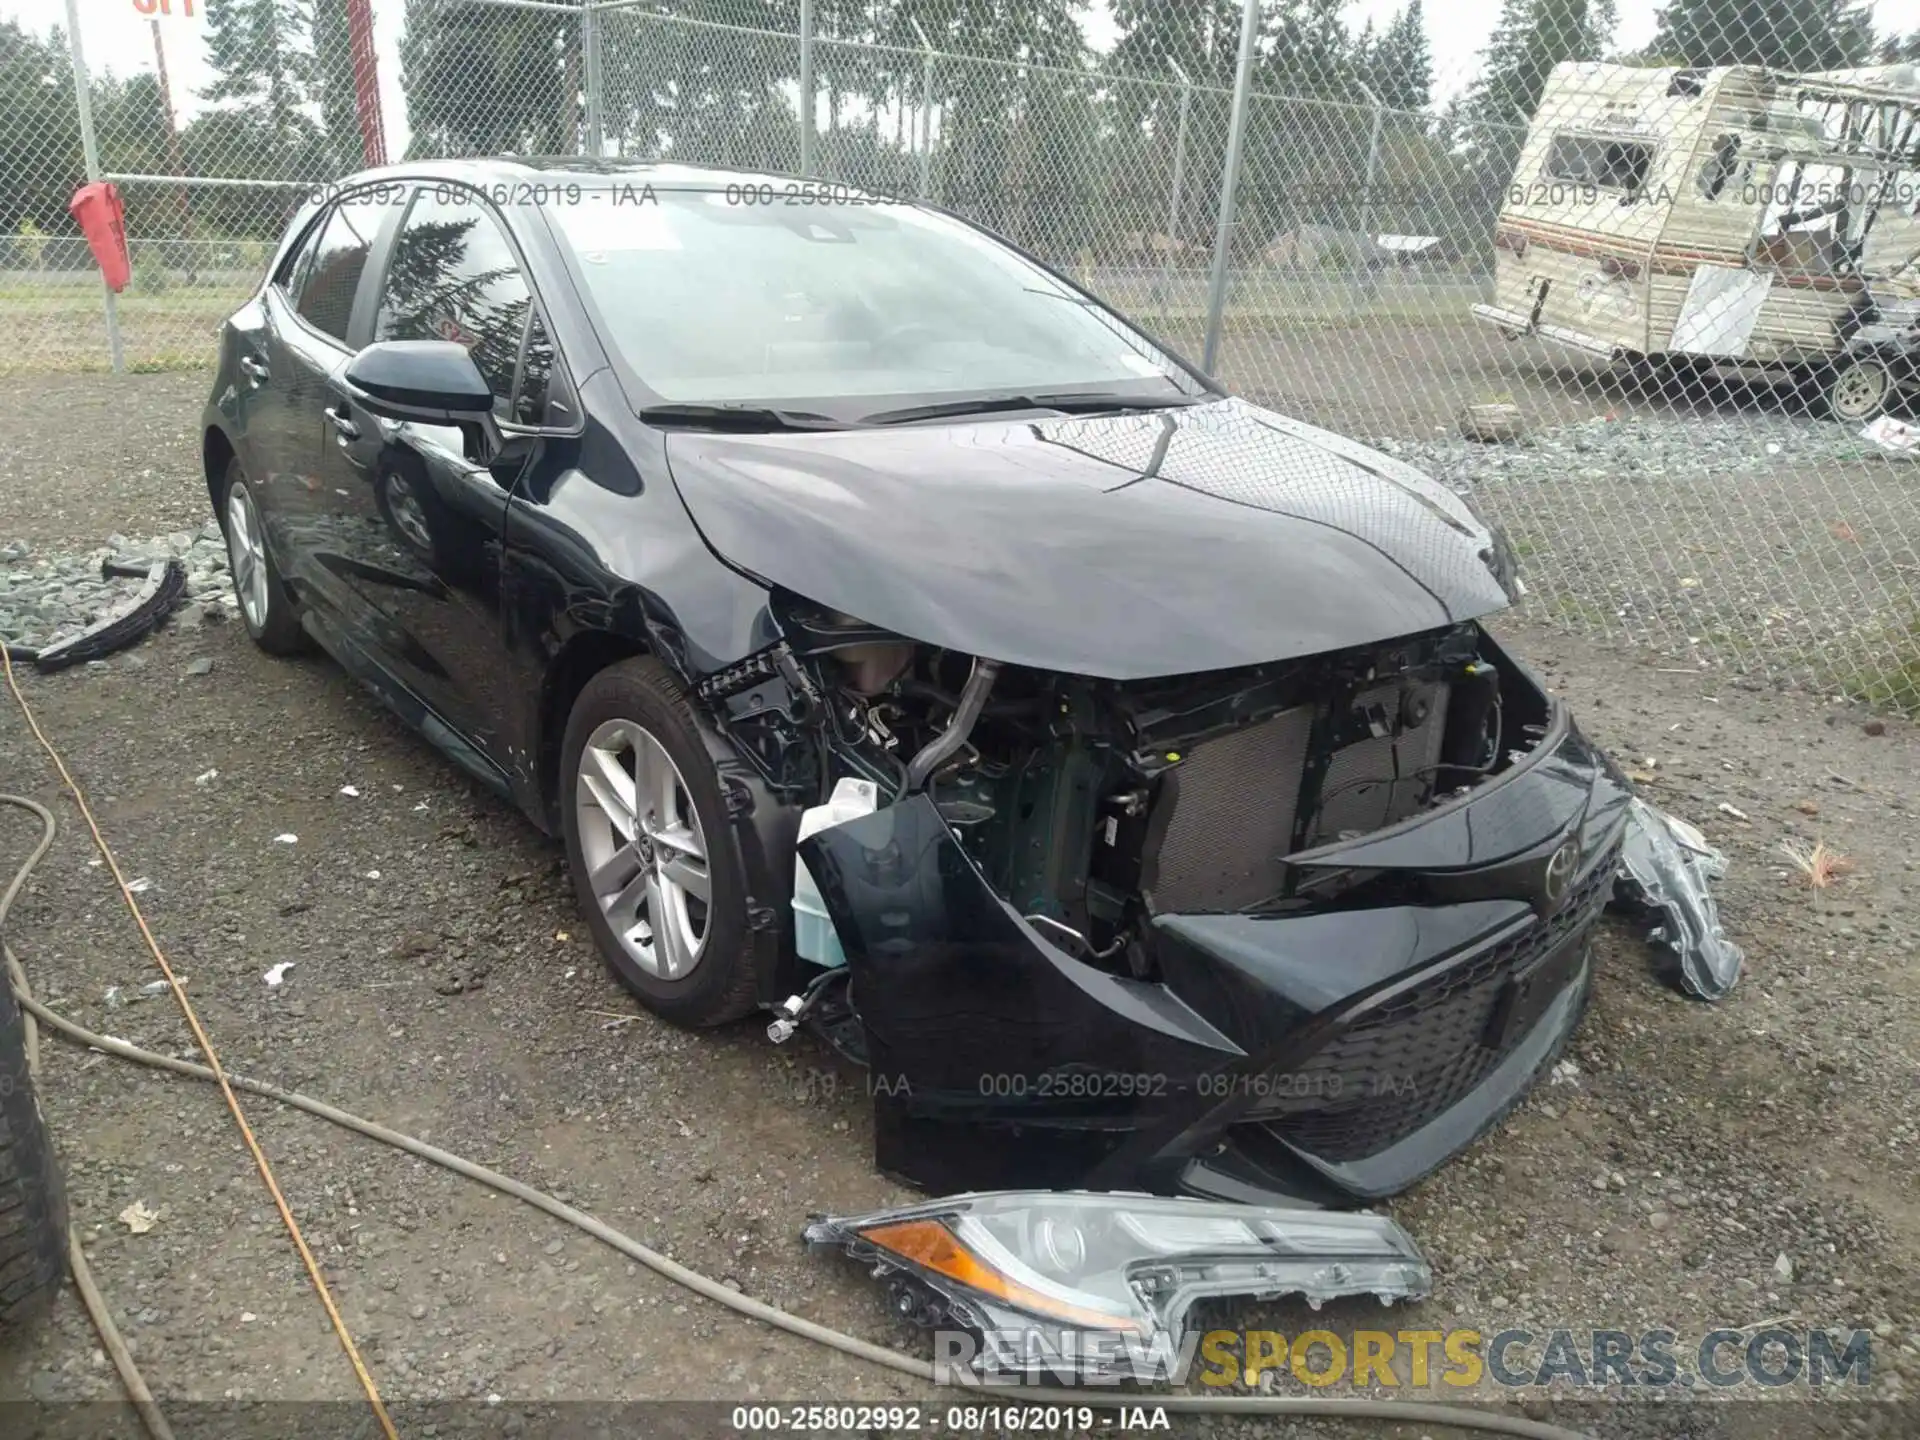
[{"x": 1122, "y": 547}]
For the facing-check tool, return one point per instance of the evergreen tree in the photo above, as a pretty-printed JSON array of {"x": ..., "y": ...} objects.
[
  {"x": 1782, "y": 34},
  {"x": 40, "y": 141},
  {"x": 333, "y": 73},
  {"x": 483, "y": 79},
  {"x": 1899, "y": 49},
  {"x": 1530, "y": 38},
  {"x": 1399, "y": 65},
  {"x": 1201, "y": 36},
  {"x": 258, "y": 52}
]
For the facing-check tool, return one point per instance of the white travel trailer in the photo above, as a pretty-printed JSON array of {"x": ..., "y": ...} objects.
[{"x": 1734, "y": 217}]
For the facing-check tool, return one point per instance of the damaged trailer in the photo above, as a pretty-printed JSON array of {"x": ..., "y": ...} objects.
[{"x": 1735, "y": 218}]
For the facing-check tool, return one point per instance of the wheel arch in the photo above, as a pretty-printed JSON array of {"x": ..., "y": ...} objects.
[{"x": 582, "y": 657}]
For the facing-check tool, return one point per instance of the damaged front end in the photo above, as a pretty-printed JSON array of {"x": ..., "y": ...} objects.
[
  {"x": 1096, "y": 1289},
  {"x": 1296, "y": 931}
]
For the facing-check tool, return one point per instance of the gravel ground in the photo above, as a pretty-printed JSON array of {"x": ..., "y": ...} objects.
[
  {"x": 441, "y": 982},
  {"x": 1783, "y": 546}
]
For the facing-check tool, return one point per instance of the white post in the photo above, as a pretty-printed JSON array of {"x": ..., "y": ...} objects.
[
  {"x": 590, "y": 55},
  {"x": 90, "y": 153},
  {"x": 926, "y": 111},
  {"x": 1366, "y": 257},
  {"x": 807, "y": 116},
  {"x": 1230, "y": 182},
  {"x": 1179, "y": 179}
]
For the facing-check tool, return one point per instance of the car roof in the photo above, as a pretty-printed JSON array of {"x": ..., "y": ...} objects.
[{"x": 493, "y": 170}]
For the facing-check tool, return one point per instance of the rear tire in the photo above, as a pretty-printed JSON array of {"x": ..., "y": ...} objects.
[
  {"x": 687, "y": 957},
  {"x": 33, "y": 1204},
  {"x": 266, "y": 609}
]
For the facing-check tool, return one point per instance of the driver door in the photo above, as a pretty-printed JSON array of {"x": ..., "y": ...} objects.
[{"x": 451, "y": 273}]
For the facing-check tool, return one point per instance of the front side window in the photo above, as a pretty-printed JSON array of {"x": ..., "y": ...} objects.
[
  {"x": 454, "y": 277},
  {"x": 288, "y": 276},
  {"x": 1600, "y": 161},
  {"x": 536, "y": 374},
  {"x": 333, "y": 274},
  {"x": 727, "y": 297}
]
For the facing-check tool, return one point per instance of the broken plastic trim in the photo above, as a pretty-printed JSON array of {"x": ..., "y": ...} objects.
[
  {"x": 166, "y": 583},
  {"x": 1097, "y": 1287},
  {"x": 1665, "y": 867}
]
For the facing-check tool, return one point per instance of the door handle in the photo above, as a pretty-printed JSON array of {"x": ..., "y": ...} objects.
[
  {"x": 254, "y": 370},
  {"x": 344, "y": 427}
]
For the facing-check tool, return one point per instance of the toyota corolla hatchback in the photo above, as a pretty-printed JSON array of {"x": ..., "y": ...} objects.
[{"x": 904, "y": 644}]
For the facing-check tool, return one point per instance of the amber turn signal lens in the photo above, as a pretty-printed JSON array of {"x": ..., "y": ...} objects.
[{"x": 931, "y": 1245}]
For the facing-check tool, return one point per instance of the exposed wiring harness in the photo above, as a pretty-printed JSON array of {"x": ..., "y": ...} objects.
[{"x": 1398, "y": 1411}]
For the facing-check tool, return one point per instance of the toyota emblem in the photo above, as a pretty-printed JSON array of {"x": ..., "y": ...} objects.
[{"x": 1560, "y": 870}]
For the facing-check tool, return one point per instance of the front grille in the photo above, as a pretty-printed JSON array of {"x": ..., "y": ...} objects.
[
  {"x": 1223, "y": 820},
  {"x": 1405, "y": 1064}
]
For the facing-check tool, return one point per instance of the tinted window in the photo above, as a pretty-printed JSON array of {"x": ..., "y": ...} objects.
[
  {"x": 454, "y": 277},
  {"x": 1597, "y": 160},
  {"x": 287, "y": 277},
  {"x": 326, "y": 293},
  {"x": 536, "y": 374}
]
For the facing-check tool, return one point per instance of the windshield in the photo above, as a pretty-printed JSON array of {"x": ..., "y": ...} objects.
[{"x": 714, "y": 299}]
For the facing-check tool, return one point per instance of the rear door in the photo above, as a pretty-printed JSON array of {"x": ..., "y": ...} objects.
[
  {"x": 308, "y": 513},
  {"x": 271, "y": 445},
  {"x": 452, "y": 273}
]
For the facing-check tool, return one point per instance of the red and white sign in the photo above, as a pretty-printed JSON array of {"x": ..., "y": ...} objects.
[{"x": 153, "y": 9}]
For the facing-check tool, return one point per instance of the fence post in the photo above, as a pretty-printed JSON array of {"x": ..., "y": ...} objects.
[
  {"x": 90, "y": 153},
  {"x": 926, "y": 110},
  {"x": 1367, "y": 257},
  {"x": 1179, "y": 180},
  {"x": 1230, "y": 182},
  {"x": 590, "y": 57},
  {"x": 806, "y": 87}
]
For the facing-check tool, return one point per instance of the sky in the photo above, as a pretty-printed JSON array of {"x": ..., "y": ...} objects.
[{"x": 118, "y": 37}]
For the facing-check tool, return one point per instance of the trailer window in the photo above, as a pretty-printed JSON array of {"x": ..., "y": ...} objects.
[
  {"x": 1600, "y": 161},
  {"x": 1719, "y": 167}
]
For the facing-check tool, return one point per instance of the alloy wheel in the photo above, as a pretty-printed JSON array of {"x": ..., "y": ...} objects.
[
  {"x": 247, "y": 555},
  {"x": 643, "y": 847}
]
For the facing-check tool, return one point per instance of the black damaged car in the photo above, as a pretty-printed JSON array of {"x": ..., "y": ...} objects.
[{"x": 905, "y": 644}]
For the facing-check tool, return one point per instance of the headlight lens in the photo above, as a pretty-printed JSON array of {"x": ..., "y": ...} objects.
[{"x": 1059, "y": 1269}]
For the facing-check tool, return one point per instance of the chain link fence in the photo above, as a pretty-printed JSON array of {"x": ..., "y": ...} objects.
[{"x": 1642, "y": 309}]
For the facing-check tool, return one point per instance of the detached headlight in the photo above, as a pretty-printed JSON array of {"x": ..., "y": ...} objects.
[{"x": 1098, "y": 1281}]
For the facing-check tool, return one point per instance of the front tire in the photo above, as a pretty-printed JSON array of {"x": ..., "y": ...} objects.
[
  {"x": 647, "y": 839},
  {"x": 266, "y": 609}
]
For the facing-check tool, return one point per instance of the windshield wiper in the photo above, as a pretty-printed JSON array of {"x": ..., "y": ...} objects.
[
  {"x": 751, "y": 419},
  {"x": 1071, "y": 402}
]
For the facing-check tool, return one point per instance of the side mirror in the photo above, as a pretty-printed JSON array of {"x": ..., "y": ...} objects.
[{"x": 434, "y": 382}]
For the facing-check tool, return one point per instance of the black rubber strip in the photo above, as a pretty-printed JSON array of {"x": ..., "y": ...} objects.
[{"x": 166, "y": 584}]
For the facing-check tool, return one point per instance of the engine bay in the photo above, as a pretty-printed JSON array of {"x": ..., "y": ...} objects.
[{"x": 1092, "y": 805}]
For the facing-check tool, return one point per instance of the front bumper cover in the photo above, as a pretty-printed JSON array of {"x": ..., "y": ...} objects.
[{"x": 1332, "y": 1056}]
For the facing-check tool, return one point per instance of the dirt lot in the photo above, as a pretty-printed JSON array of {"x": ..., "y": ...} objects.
[{"x": 441, "y": 983}]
